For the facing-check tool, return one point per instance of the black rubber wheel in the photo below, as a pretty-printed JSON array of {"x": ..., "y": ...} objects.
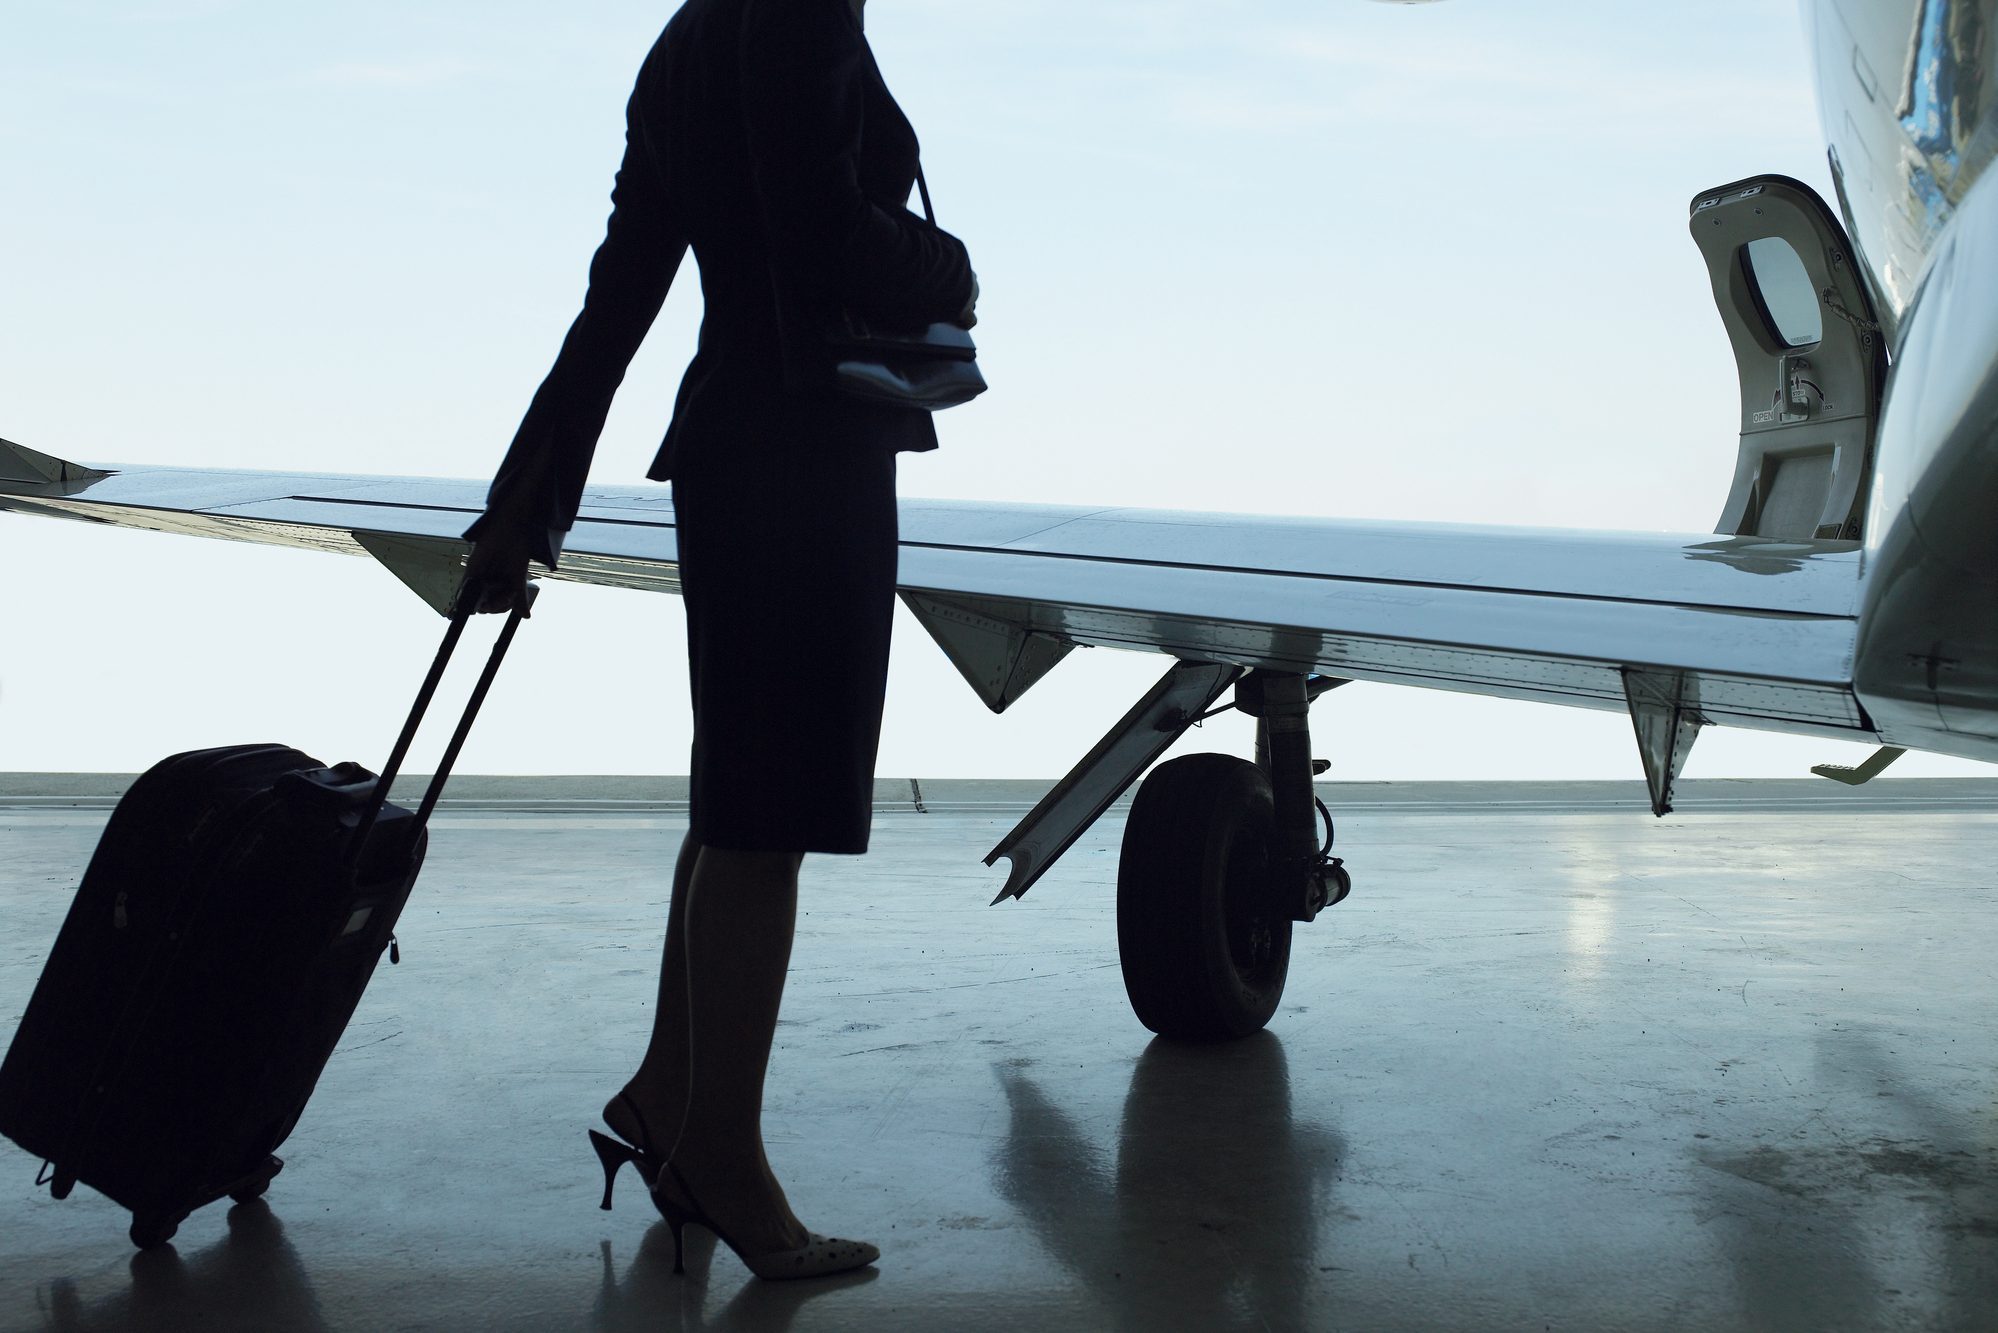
[
  {"x": 253, "y": 1187},
  {"x": 149, "y": 1233},
  {"x": 1203, "y": 942}
]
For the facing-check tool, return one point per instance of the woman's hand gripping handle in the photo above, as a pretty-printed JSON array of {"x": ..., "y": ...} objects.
[{"x": 496, "y": 574}]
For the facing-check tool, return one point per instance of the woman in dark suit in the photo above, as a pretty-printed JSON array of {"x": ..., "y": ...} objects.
[{"x": 760, "y": 133}]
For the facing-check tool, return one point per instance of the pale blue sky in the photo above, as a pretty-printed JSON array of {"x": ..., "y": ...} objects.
[{"x": 1330, "y": 257}]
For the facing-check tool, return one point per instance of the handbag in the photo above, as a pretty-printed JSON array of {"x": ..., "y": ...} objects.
[{"x": 929, "y": 369}]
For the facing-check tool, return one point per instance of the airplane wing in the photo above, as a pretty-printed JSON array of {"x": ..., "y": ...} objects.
[{"x": 1741, "y": 631}]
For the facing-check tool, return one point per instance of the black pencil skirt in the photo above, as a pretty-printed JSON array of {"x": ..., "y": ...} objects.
[{"x": 787, "y": 566}]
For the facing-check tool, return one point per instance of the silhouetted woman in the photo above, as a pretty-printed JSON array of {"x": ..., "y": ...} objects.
[{"x": 761, "y": 134}]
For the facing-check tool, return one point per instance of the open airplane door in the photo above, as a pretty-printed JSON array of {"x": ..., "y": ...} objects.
[{"x": 1809, "y": 352}]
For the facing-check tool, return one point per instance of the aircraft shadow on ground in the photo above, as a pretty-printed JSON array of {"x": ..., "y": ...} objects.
[
  {"x": 1210, "y": 1213},
  {"x": 250, "y": 1279}
]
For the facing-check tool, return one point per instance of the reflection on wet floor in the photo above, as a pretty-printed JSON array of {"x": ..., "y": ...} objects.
[
  {"x": 1549, "y": 1067},
  {"x": 1911, "y": 1217},
  {"x": 650, "y": 1295},
  {"x": 251, "y": 1278},
  {"x": 1208, "y": 1214}
]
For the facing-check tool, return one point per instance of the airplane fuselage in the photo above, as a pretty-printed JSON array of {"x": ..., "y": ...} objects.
[{"x": 1910, "y": 115}]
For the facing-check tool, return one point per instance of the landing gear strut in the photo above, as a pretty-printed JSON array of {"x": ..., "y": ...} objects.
[{"x": 1301, "y": 866}]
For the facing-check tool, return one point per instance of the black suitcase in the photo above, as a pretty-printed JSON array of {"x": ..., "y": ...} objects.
[{"x": 228, "y": 922}]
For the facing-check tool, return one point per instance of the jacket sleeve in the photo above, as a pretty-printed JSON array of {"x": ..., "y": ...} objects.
[
  {"x": 540, "y": 481},
  {"x": 805, "y": 72}
]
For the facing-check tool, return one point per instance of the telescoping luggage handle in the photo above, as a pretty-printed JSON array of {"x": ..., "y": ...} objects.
[{"x": 460, "y": 617}]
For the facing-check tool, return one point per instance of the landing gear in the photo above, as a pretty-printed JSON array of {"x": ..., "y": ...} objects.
[
  {"x": 1220, "y": 855},
  {"x": 1204, "y": 941}
]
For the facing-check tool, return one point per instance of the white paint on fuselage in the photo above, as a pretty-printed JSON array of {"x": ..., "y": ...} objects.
[{"x": 1911, "y": 122}]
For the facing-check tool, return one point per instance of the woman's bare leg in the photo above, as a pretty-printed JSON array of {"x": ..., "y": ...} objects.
[
  {"x": 660, "y": 1085},
  {"x": 742, "y": 912},
  {"x": 700, "y": 1084}
]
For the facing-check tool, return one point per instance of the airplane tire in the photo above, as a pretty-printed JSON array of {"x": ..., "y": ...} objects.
[{"x": 1203, "y": 945}]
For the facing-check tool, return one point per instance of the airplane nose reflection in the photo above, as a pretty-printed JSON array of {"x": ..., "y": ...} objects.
[
  {"x": 1208, "y": 1216},
  {"x": 251, "y": 1278}
]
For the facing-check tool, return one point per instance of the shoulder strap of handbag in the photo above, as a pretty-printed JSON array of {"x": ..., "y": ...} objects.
[{"x": 924, "y": 186}]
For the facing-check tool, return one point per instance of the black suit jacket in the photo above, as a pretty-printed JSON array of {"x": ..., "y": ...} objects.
[{"x": 760, "y": 133}]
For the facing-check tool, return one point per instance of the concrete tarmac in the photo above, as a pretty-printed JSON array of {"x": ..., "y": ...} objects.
[{"x": 1556, "y": 1064}]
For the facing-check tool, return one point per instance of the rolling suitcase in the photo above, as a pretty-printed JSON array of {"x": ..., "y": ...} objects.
[{"x": 228, "y": 922}]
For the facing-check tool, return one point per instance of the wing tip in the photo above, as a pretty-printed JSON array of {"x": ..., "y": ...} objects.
[{"x": 22, "y": 466}]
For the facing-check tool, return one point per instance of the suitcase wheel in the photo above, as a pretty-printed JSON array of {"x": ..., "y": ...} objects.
[
  {"x": 253, "y": 1186},
  {"x": 149, "y": 1233},
  {"x": 61, "y": 1185}
]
